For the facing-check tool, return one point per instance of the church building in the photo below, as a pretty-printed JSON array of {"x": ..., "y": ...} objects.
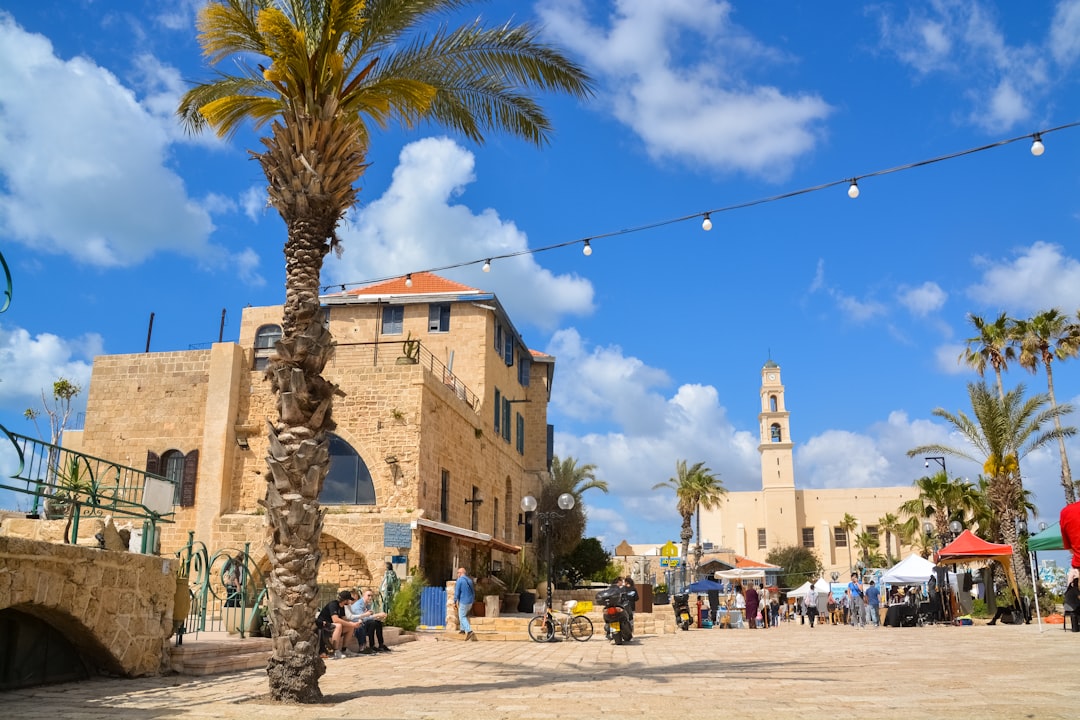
[{"x": 753, "y": 523}]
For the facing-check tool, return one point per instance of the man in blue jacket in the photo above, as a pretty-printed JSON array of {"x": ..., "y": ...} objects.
[{"x": 464, "y": 597}]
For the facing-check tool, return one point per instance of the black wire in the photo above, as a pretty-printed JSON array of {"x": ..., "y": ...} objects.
[{"x": 728, "y": 208}]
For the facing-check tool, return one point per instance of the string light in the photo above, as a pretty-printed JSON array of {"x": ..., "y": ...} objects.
[
  {"x": 487, "y": 265},
  {"x": 1037, "y": 148}
]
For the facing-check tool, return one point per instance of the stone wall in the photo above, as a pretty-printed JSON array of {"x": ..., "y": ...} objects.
[{"x": 115, "y": 607}]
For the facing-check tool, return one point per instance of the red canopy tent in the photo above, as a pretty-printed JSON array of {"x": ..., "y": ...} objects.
[{"x": 969, "y": 548}]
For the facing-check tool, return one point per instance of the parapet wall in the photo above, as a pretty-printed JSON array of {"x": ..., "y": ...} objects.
[{"x": 114, "y": 606}]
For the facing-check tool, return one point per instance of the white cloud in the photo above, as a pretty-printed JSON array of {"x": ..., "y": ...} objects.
[
  {"x": 414, "y": 225},
  {"x": 700, "y": 108},
  {"x": 1065, "y": 32},
  {"x": 947, "y": 359},
  {"x": 924, "y": 299},
  {"x": 1040, "y": 277},
  {"x": 78, "y": 154},
  {"x": 647, "y": 432},
  {"x": 30, "y": 364},
  {"x": 963, "y": 40},
  {"x": 253, "y": 201}
]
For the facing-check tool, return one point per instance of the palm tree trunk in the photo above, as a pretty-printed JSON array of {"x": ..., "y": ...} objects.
[
  {"x": 1066, "y": 472},
  {"x": 299, "y": 459}
]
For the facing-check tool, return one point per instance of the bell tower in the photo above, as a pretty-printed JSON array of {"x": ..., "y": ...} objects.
[{"x": 777, "y": 467}]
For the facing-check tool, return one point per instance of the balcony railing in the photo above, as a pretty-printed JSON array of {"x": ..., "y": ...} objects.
[
  {"x": 388, "y": 353},
  {"x": 64, "y": 483}
]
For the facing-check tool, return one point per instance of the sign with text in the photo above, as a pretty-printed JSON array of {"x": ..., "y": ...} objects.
[{"x": 397, "y": 535}]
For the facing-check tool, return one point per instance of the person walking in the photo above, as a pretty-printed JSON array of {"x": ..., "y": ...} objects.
[
  {"x": 464, "y": 597},
  {"x": 873, "y": 601},
  {"x": 856, "y": 591},
  {"x": 752, "y": 600},
  {"x": 810, "y": 602}
]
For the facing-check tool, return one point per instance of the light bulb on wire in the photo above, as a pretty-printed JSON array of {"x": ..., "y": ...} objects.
[
  {"x": 853, "y": 189},
  {"x": 706, "y": 224},
  {"x": 1037, "y": 147},
  {"x": 587, "y": 250},
  {"x": 487, "y": 265},
  {"x": 408, "y": 280}
]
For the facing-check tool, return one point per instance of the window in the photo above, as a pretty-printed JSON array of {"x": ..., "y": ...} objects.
[
  {"x": 508, "y": 350},
  {"x": 524, "y": 364},
  {"x": 506, "y": 419},
  {"x": 498, "y": 410},
  {"x": 475, "y": 505},
  {"x": 873, "y": 531},
  {"x": 439, "y": 317},
  {"x": 495, "y": 520},
  {"x": 444, "y": 497},
  {"x": 774, "y": 433},
  {"x": 393, "y": 320},
  {"x": 498, "y": 338},
  {"x": 839, "y": 536},
  {"x": 808, "y": 537},
  {"x": 349, "y": 481},
  {"x": 772, "y": 403},
  {"x": 266, "y": 337},
  {"x": 520, "y": 434},
  {"x": 761, "y": 541},
  {"x": 172, "y": 468}
]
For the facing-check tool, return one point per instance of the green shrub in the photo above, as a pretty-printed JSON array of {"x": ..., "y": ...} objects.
[{"x": 405, "y": 607}]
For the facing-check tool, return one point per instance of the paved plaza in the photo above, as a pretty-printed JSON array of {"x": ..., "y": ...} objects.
[{"x": 792, "y": 671}]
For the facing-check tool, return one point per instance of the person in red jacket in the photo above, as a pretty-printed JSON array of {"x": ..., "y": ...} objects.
[{"x": 1070, "y": 536}]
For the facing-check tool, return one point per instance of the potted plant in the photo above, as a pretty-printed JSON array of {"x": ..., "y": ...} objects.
[
  {"x": 410, "y": 351},
  {"x": 488, "y": 596},
  {"x": 517, "y": 581}
]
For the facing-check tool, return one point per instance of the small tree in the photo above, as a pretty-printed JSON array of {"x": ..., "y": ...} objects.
[
  {"x": 586, "y": 560},
  {"x": 59, "y": 411},
  {"x": 799, "y": 563}
]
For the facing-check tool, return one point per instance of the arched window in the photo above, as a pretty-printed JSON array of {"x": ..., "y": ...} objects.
[
  {"x": 774, "y": 432},
  {"x": 265, "y": 339},
  {"x": 349, "y": 481},
  {"x": 772, "y": 403}
]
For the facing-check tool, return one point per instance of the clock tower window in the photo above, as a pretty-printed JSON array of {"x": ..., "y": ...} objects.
[
  {"x": 774, "y": 433},
  {"x": 772, "y": 403}
]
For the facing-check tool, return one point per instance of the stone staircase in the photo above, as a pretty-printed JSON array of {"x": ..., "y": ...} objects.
[
  {"x": 514, "y": 627},
  {"x": 212, "y": 653}
]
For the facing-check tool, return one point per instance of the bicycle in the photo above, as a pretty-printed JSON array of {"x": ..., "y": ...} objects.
[{"x": 542, "y": 627}]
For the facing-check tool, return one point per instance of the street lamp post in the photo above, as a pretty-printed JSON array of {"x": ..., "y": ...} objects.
[
  {"x": 528, "y": 504},
  {"x": 939, "y": 459}
]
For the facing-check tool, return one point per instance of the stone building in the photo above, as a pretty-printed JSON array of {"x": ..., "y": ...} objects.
[
  {"x": 441, "y": 431},
  {"x": 780, "y": 515}
]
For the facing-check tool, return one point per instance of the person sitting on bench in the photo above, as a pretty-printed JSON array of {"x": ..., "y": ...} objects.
[{"x": 370, "y": 625}]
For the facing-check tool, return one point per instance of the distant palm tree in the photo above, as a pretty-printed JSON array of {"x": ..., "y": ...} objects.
[
  {"x": 890, "y": 525},
  {"x": 1043, "y": 338},
  {"x": 1002, "y": 432},
  {"x": 321, "y": 74},
  {"x": 695, "y": 487},
  {"x": 848, "y": 524},
  {"x": 868, "y": 546},
  {"x": 993, "y": 346}
]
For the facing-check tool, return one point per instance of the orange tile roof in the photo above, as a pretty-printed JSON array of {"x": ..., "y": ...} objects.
[
  {"x": 423, "y": 283},
  {"x": 745, "y": 562}
]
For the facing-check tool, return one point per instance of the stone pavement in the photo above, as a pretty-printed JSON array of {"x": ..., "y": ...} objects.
[{"x": 792, "y": 671}]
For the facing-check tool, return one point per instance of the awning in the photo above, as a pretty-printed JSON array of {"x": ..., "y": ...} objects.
[{"x": 469, "y": 536}]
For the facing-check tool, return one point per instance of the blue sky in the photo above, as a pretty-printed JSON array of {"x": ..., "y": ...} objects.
[{"x": 109, "y": 212}]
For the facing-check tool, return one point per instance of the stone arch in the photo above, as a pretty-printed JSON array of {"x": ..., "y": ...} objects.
[
  {"x": 341, "y": 564},
  {"x": 70, "y": 646}
]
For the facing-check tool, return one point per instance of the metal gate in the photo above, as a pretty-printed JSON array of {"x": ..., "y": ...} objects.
[
  {"x": 433, "y": 607},
  {"x": 226, "y": 589}
]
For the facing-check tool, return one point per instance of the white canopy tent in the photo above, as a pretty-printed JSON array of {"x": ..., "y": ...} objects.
[
  {"x": 822, "y": 586},
  {"x": 912, "y": 570},
  {"x": 741, "y": 573}
]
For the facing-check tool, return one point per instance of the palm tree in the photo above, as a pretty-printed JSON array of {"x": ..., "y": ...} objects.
[
  {"x": 890, "y": 525},
  {"x": 575, "y": 479},
  {"x": 695, "y": 488},
  {"x": 993, "y": 346},
  {"x": 1043, "y": 338},
  {"x": 1002, "y": 432},
  {"x": 849, "y": 523},
  {"x": 320, "y": 72},
  {"x": 867, "y": 544}
]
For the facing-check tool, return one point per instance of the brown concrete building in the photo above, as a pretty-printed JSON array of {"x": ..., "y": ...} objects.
[{"x": 441, "y": 431}]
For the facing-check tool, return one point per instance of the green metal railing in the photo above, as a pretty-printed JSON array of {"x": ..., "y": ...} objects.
[
  {"x": 65, "y": 483},
  {"x": 228, "y": 591}
]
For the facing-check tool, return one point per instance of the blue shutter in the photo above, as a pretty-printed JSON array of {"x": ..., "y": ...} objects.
[{"x": 498, "y": 409}]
